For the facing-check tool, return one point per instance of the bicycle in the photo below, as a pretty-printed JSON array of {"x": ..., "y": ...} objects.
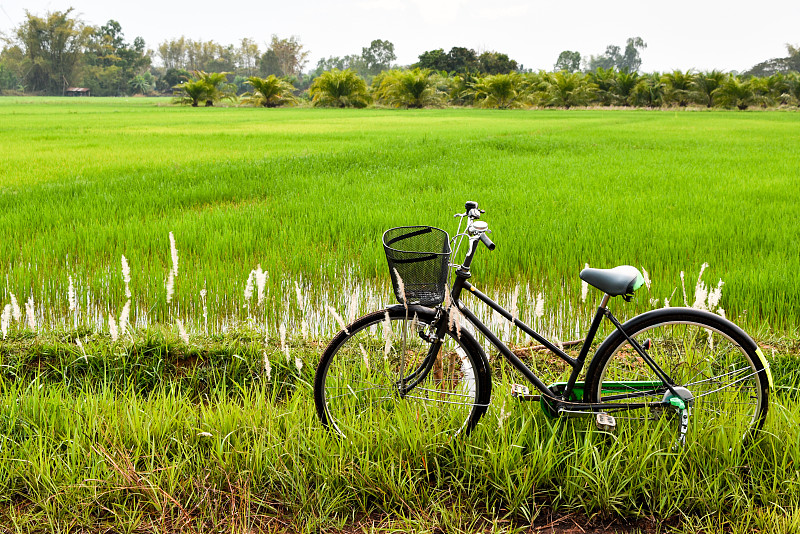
[{"x": 416, "y": 366}]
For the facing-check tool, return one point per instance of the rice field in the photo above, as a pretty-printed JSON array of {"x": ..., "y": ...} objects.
[
  {"x": 172, "y": 274},
  {"x": 306, "y": 194}
]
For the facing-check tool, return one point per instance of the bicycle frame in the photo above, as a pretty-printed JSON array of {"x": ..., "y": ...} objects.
[{"x": 577, "y": 364}]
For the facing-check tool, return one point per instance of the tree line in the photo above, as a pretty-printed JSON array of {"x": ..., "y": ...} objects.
[{"x": 46, "y": 55}]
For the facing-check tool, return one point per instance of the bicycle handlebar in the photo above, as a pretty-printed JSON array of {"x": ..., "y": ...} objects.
[{"x": 486, "y": 241}]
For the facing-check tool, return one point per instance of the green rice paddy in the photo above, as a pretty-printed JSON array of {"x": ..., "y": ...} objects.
[
  {"x": 154, "y": 433},
  {"x": 307, "y": 193}
]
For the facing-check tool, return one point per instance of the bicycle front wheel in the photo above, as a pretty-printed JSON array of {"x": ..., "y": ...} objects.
[
  {"x": 386, "y": 374},
  {"x": 715, "y": 367}
]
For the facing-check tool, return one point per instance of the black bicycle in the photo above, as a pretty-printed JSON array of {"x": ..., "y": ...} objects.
[{"x": 417, "y": 366}]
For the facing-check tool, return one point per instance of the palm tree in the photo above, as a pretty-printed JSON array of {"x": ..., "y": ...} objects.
[
  {"x": 566, "y": 90},
  {"x": 269, "y": 92},
  {"x": 623, "y": 87},
  {"x": 604, "y": 81},
  {"x": 703, "y": 86},
  {"x": 676, "y": 87},
  {"x": 501, "y": 91},
  {"x": 792, "y": 94},
  {"x": 217, "y": 86},
  {"x": 211, "y": 87},
  {"x": 648, "y": 91},
  {"x": 409, "y": 89},
  {"x": 734, "y": 93},
  {"x": 191, "y": 92},
  {"x": 767, "y": 91},
  {"x": 339, "y": 89}
]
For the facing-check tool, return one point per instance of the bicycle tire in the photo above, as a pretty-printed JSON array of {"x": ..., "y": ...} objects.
[
  {"x": 722, "y": 368},
  {"x": 355, "y": 385}
]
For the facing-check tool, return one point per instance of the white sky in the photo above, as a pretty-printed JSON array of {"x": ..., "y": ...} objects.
[{"x": 680, "y": 34}]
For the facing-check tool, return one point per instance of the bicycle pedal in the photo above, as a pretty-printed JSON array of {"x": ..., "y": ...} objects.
[
  {"x": 521, "y": 392},
  {"x": 605, "y": 422}
]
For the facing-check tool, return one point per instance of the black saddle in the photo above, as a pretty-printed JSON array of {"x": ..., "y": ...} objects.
[{"x": 622, "y": 280}]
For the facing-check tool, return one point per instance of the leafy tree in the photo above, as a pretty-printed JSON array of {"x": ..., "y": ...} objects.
[
  {"x": 496, "y": 63},
  {"x": 631, "y": 60},
  {"x": 377, "y": 57},
  {"x": 501, "y": 91},
  {"x": 703, "y": 86},
  {"x": 793, "y": 88},
  {"x": 142, "y": 83},
  {"x": 769, "y": 90},
  {"x": 112, "y": 63},
  {"x": 284, "y": 57},
  {"x": 433, "y": 60},
  {"x": 171, "y": 78},
  {"x": 53, "y": 48},
  {"x": 568, "y": 61},
  {"x": 677, "y": 86},
  {"x": 566, "y": 90},
  {"x": 459, "y": 60},
  {"x": 173, "y": 54},
  {"x": 462, "y": 60},
  {"x": 734, "y": 93},
  {"x": 269, "y": 92},
  {"x": 248, "y": 55},
  {"x": 781, "y": 65},
  {"x": 339, "y": 89},
  {"x": 409, "y": 89},
  {"x": 614, "y": 58}
]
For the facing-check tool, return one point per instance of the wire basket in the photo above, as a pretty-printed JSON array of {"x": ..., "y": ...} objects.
[{"x": 418, "y": 258}]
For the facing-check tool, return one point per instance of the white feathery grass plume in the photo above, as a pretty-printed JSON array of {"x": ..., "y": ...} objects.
[
  {"x": 364, "y": 355},
  {"x": 124, "y": 315},
  {"x": 174, "y": 253},
  {"x": 721, "y": 312},
  {"x": 700, "y": 290},
  {"x": 298, "y": 363},
  {"x": 80, "y": 346},
  {"x": 646, "y": 278},
  {"x": 710, "y": 340},
  {"x": 715, "y": 295},
  {"x": 700, "y": 296},
  {"x": 30, "y": 313},
  {"x": 261, "y": 283},
  {"x": 700, "y": 276},
  {"x": 170, "y": 285},
  {"x": 284, "y": 347},
  {"x": 401, "y": 287},
  {"x": 299, "y": 294},
  {"x": 267, "y": 366},
  {"x": 248, "y": 288},
  {"x": 71, "y": 298},
  {"x": 387, "y": 336},
  {"x": 112, "y": 328},
  {"x": 352, "y": 308},
  {"x": 666, "y": 302},
  {"x": 16, "y": 313},
  {"x": 503, "y": 415},
  {"x": 538, "y": 311},
  {"x": 5, "y": 320},
  {"x": 203, "y": 294},
  {"x": 584, "y": 286},
  {"x": 683, "y": 285},
  {"x": 182, "y": 331},
  {"x": 126, "y": 276},
  {"x": 338, "y": 318}
]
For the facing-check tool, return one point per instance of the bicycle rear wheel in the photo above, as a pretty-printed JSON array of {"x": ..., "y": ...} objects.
[
  {"x": 367, "y": 384},
  {"x": 716, "y": 368}
]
